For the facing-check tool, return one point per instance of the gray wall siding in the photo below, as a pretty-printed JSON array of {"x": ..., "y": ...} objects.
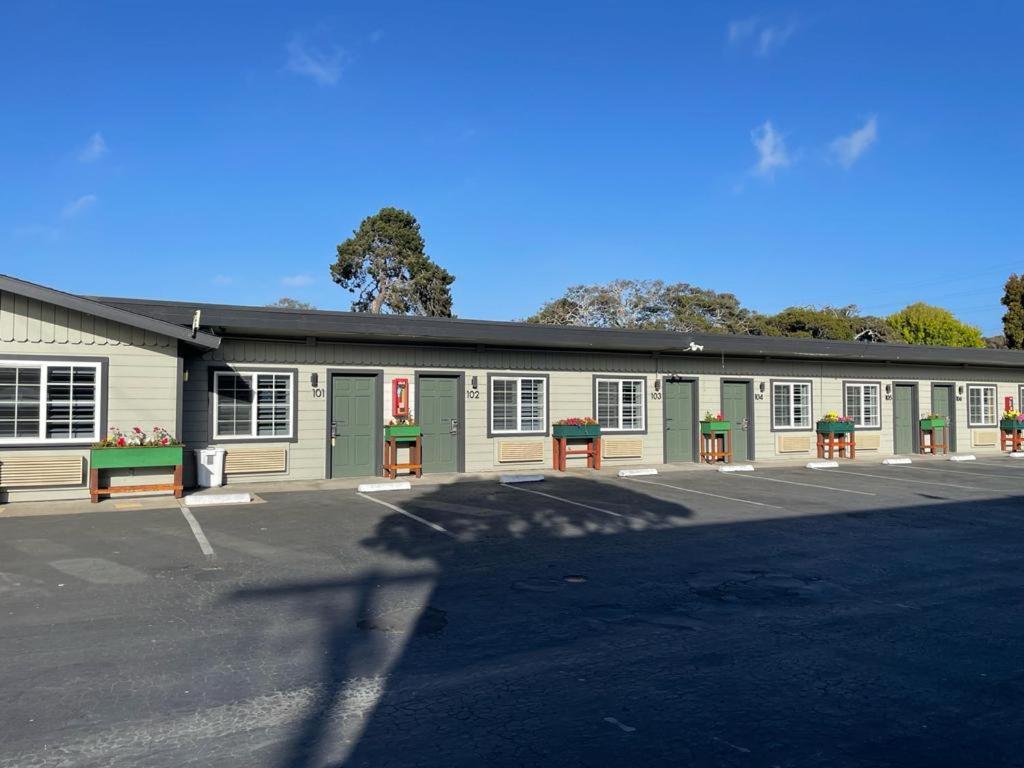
[
  {"x": 142, "y": 380},
  {"x": 571, "y": 394}
]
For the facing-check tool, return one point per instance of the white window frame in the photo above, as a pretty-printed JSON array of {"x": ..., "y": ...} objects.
[
  {"x": 97, "y": 402},
  {"x": 995, "y": 407},
  {"x": 863, "y": 385},
  {"x": 519, "y": 405},
  {"x": 793, "y": 426},
  {"x": 641, "y": 401},
  {"x": 252, "y": 435}
]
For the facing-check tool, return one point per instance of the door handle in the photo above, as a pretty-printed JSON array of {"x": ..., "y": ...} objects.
[{"x": 454, "y": 428}]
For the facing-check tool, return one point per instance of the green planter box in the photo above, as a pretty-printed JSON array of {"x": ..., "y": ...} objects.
[
  {"x": 933, "y": 423},
  {"x": 835, "y": 427},
  {"x": 707, "y": 427},
  {"x": 570, "y": 431},
  {"x": 131, "y": 458},
  {"x": 403, "y": 432},
  {"x": 1010, "y": 424}
]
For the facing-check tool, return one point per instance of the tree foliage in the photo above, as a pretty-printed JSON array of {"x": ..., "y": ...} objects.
[
  {"x": 288, "y": 303},
  {"x": 385, "y": 265},
  {"x": 922, "y": 323},
  {"x": 647, "y": 304},
  {"x": 1013, "y": 320}
]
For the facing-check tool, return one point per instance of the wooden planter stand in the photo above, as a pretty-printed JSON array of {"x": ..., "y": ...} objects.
[
  {"x": 560, "y": 451},
  {"x": 832, "y": 445},
  {"x": 716, "y": 445},
  {"x": 934, "y": 438},
  {"x": 391, "y": 463},
  {"x": 1011, "y": 438},
  {"x": 135, "y": 458}
]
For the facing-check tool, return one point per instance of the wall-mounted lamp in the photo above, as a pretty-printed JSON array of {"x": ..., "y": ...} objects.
[
  {"x": 314, "y": 379},
  {"x": 960, "y": 389},
  {"x": 657, "y": 385},
  {"x": 888, "y": 389},
  {"x": 760, "y": 387},
  {"x": 184, "y": 375},
  {"x": 472, "y": 382}
]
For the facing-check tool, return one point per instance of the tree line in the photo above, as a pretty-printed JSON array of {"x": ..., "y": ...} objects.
[{"x": 385, "y": 266}]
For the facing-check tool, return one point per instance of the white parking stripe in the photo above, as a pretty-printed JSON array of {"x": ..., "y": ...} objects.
[
  {"x": 953, "y": 471},
  {"x": 401, "y": 511},
  {"x": 197, "y": 531},
  {"x": 899, "y": 480},
  {"x": 806, "y": 485},
  {"x": 704, "y": 493},
  {"x": 566, "y": 501}
]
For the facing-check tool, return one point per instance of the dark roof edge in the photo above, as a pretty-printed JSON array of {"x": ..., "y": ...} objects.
[{"x": 107, "y": 312}]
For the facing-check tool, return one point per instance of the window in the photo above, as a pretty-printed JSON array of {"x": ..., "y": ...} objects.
[
  {"x": 620, "y": 404},
  {"x": 981, "y": 406},
  {"x": 791, "y": 405},
  {"x": 49, "y": 402},
  {"x": 862, "y": 405},
  {"x": 252, "y": 405},
  {"x": 518, "y": 404}
]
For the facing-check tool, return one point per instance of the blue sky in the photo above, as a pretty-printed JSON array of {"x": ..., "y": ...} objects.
[{"x": 799, "y": 153}]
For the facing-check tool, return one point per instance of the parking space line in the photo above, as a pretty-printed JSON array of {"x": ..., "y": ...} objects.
[
  {"x": 401, "y": 511},
  {"x": 197, "y": 531},
  {"x": 953, "y": 471},
  {"x": 806, "y": 485},
  {"x": 704, "y": 493},
  {"x": 901, "y": 479},
  {"x": 565, "y": 501}
]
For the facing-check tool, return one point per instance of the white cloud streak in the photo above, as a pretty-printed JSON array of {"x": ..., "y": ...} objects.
[
  {"x": 323, "y": 67},
  {"x": 847, "y": 149},
  {"x": 296, "y": 281},
  {"x": 761, "y": 37},
  {"x": 94, "y": 149},
  {"x": 771, "y": 150},
  {"x": 78, "y": 206}
]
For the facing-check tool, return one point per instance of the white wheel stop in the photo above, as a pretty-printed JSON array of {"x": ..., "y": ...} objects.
[
  {"x": 637, "y": 472},
  {"x": 402, "y": 485},
  {"x": 823, "y": 465},
  {"x": 898, "y": 460},
  {"x": 737, "y": 468},
  {"x": 506, "y": 479},
  {"x": 968, "y": 457}
]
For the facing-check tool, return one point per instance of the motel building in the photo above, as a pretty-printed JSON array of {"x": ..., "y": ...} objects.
[{"x": 305, "y": 395}]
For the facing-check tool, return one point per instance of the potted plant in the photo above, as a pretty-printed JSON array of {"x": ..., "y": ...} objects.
[
  {"x": 134, "y": 449},
  {"x": 1011, "y": 421},
  {"x": 714, "y": 422},
  {"x": 402, "y": 428},
  {"x": 933, "y": 421},
  {"x": 577, "y": 426},
  {"x": 834, "y": 424}
]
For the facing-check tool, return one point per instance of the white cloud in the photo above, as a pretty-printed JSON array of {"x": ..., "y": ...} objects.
[
  {"x": 761, "y": 37},
  {"x": 94, "y": 149},
  {"x": 296, "y": 281},
  {"x": 847, "y": 149},
  {"x": 324, "y": 67},
  {"x": 78, "y": 206},
  {"x": 771, "y": 150}
]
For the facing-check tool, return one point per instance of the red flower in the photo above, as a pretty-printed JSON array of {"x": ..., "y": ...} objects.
[{"x": 121, "y": 442}]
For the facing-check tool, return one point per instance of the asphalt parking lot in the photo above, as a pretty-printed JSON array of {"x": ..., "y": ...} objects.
[{"x": 860, "y": 616}]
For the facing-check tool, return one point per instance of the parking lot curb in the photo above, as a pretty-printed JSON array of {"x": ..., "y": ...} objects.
[{"x": 403, "y": 485}]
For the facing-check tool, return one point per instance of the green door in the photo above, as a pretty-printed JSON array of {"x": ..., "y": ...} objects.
[
  {"x": 735, "y": 407},
  {"x": 679, "y": 426},
  {"x": 903, "y": 422},
  {"x": 942, "y": 404},
  {"x": 354, "y": 417},
  {"x": 439, "y": 419}
]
